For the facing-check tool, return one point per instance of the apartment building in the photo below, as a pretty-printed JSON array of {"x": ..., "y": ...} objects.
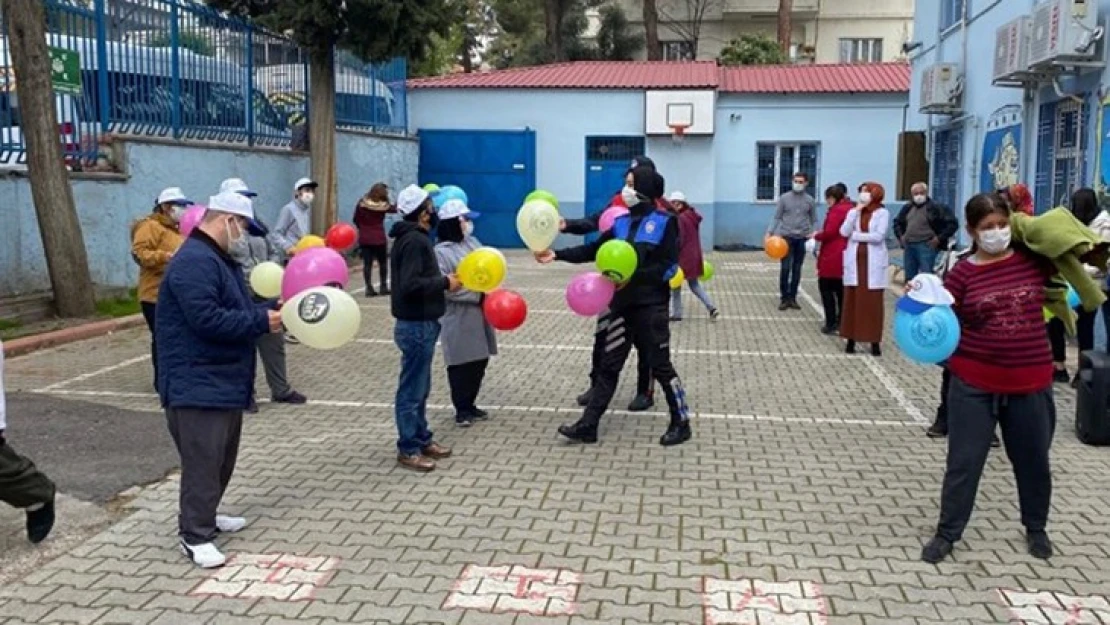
[{"x": 824, "y": 31}]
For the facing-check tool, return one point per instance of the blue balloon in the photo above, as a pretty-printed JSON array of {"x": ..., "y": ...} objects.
[
  {"x": 1073, "y": 297},
  {"x": 450, "y": 192},
  {"x": 928, "y": 338}
]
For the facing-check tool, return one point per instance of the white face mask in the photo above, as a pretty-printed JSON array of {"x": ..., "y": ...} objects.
[
  {"x": 995, "y": 241},
  {"x": 177, "y": 213},
  {"x": 467, "y": 228},
  {"x": 630, "y": 197},
  {"x": 919, "y": 199},
  {"x": 307, "y": 198},
  {"x": 799, "y": 187},
  {"x": 865, "y": 198}
]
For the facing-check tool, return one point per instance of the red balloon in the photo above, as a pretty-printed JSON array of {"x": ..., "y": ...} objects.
[
  {"x": 341, "y": 237},
  {"x": 505, "y": 310}
]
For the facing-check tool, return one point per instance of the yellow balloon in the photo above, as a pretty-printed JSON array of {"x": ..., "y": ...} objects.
[
  {"x": 678, "y": 279},
  {"x": 322, "y": 318},
  {"x": 308, "y": 241},
  {"x": 266, "y": 279},
  {"x": 482, "y": 270},
  {"x": 538, "y": 224}
]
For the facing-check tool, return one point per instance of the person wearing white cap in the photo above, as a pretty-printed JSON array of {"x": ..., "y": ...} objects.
[
  {"x": 417, "y": 302},
  {"x": 154, "y": 240},
  {"x": 690, "y": 257},
  {"x": 206, "y": 329},
  {"x": 295, "y": 219}
]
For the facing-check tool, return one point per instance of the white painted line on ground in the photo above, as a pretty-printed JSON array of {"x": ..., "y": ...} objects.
[
  {"x": 539, "y": 289},
  {"x": 693, "y": 352},
  {"x": 881, "y": 374},
  {"x": 555, "y": 311},
  {"x": 93, "y": 374},
  {"x": 714, "y": 416}
]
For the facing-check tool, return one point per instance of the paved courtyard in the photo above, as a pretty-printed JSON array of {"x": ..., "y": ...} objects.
[{"x": 804, "y": 497}]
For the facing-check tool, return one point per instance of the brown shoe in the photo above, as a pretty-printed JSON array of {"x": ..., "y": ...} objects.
[
  {"x": 436, "y": 451},
  {"x": 417, "y": 463}
]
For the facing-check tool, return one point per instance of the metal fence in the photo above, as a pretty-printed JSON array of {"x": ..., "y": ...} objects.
[{"x": 179, "y": 69}]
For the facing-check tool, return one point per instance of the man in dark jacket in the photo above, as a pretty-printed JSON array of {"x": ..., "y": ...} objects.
[
  {"x": 924, "y": 228},
  {"x": 206, "y": 328},
  {"x": 417, "y": 301},
  {"x": 638, "y": 312}
]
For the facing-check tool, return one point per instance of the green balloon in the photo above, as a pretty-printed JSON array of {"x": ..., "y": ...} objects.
[
  {"x": 707, "y": 270},
  {"x": 431, "y": 187},
  {"x": 617, "y": 260},
  {"x": 546, "y": 196}
]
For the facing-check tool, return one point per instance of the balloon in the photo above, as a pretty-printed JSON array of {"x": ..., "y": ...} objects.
[
  {"x": 431, "y": 187},
  {"x": 707, "y": 270},
  {"x": 314, "y": 267},
  {"x": 776, "y": 247},
  {"x": 450, "y": 192},
  {"x": 589, "y": 294},
  {"x": 546, "y": 196},
  {"x": 617, "y": 260},
  {"x": 677, "y": 279},
  {"x": 341, "y": 237},
  {"x": 191, "y": 218},
  {"x": 482, "y": 270},
  {"x": 307, "y": 242},
  {"x": 928, "y": 338},
  {"x": 609, "y": 216},
  {"x": 266, "y": 279},
  {"x": 322, "y": 317},
  {"x": 505, "y": 310},
  {"x": 538, "y": 224},
  {"x": 1073, "y": 297}
]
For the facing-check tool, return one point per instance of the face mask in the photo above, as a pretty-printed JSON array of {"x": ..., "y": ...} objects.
[
  {"x": 799, "y": 187},
  {"x": 467, "y": 228},
  {"x": 177, "y": 213},
  {"x": 865, "y": 198},
  {"x": 995, "y": 241},
  {"x": 307, "y": 198},
  {"x": 629, "y": 196},
  {"x": 919, "y": 199}
]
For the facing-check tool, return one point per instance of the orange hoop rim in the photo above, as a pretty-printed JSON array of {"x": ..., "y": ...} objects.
[{"x": 679, "y": 129}]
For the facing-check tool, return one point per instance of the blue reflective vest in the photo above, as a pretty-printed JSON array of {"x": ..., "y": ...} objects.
[{"x": 651, "y": 230}]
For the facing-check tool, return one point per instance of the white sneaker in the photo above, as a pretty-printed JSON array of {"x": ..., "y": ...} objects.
[
  {"x": 206, "y": 556},
  {"x": 230, "y": 524}
]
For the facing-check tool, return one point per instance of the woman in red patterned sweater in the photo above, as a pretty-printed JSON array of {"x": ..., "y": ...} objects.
[{"x": 1001, "y": 374}]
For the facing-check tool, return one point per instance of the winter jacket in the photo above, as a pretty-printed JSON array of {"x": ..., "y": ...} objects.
[
  {"x": 690, "y": 257},
  {"x": 419, "y": 291},
  {"x": 294, "y": 222},
  {"x": 466, "y": 336},
  {"x": 830, "y": 258},
  {"x": 1100, "y": 225},
  {"x": 370, "y": 219},
  {"x": 154, "y": 239},
  {"x": 206, "y": 326},
  {"x": 942, "y": 221}
]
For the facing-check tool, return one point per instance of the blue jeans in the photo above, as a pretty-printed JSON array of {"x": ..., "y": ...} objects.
[
  {"x": 699, "y": 292},
  {"x": 790, "y": 269},
  {"x": 919, "y": 258},
  {"x": 417, "y": 342}
]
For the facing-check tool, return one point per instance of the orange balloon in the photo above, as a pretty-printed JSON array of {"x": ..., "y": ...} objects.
[{"x": 776, "y": 247}]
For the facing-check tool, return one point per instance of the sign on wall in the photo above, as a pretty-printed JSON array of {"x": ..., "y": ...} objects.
[{"x": 1001, "y": 164}]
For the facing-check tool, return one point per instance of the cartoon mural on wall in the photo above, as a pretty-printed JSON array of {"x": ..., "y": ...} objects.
[{"x": 1001, "y": 164}]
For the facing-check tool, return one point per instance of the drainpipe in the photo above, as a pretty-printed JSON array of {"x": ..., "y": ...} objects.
[{"x": 1028, "y": 134}]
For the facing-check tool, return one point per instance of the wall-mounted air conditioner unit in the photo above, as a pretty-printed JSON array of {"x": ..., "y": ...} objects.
[
  {"x": 942, "y": 88},
  {"x": 1011, "y": 51},
  {"x": 1064, "y": 32}
]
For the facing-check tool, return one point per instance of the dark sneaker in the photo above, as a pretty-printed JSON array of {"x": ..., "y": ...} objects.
[
  {"x": 371, "y": 293},
  {"x": 579, "y": 432},
  {"x": 876, "y": 350},
  {"x": 995, "y": 443},
  {"x": 464, "y": 420},
  {"x": 584, "y": 398},
  {"x": 1060, "y": 376},
  {"x": 435, "y": 451},
  {"x": 936, "y": 551},
  {"x": 784, "y": 305},
  {"x": 292, "y": 340},
  {"x": 292, "y": 398},
  {"x": 676, "y": 435},
  {"x": 479, "y": 415},
  {"x": 937, "y": 431},
  {"x": 417, "y": 463},
  {"x": 714, "y": 314},
  {"x": 794, "y": 305},
  {"x": 641, "y": 403},
  {"x": 1040, "y": 546},
  {"x": 40, "y": 522},
  {"x": 829, "y": 330}
]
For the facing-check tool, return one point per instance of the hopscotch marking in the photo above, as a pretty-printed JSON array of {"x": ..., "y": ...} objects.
[
  {"x": 516, "y": 589},
  {"x": 1053, "y": 608},
  {"x": 279, "y": 577},
  {"x": 756, "y": 602}
]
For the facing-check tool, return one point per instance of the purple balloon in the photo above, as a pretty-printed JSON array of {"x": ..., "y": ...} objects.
[
  {"x": 191, "y": 218},
  {"x": 589, "y": 294},
  {"x": 609, "y": 216},
  {"x": 314, "y": 267}
]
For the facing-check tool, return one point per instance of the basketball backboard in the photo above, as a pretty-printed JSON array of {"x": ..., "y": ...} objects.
[{"x": 694, "y": 110}]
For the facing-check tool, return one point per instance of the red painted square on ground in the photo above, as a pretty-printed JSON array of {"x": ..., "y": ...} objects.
[
  {"x": 755, "y": 602},
  {"x": 282, "y": 577},
  {"x": 518, "y": 589},
  {"x": 1053, "y": 608}
]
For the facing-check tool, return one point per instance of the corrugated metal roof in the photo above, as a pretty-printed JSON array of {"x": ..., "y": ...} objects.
[
  {"x": 864, "y": 78},
  {"x": 861, "y": 78}
]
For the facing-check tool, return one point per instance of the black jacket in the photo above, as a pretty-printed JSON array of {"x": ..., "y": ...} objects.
[
  {"x": 419, "y": 287},
  {"x": 942, "y": 221}
]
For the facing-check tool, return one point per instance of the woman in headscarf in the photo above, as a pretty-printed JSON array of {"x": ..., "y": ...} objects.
[
  {"x": 372, "y": 244},
  {"x": 467, "y": 338},
  {"x": 865, "y": 269},
  {"x": 1021, "y": 200}
]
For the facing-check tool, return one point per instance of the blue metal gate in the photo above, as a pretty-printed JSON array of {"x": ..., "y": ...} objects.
[
  {"x": 496, "y": 168},
  {"x": 607, "y": 160},
  {"x": 1062, "y": 133}
]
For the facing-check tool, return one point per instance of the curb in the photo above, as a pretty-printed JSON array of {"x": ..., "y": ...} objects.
[{"x": 37, "y": 342}]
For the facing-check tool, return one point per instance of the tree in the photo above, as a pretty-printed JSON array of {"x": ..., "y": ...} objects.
[
  {"x": 374, "y": 30},
  {"x": 752, "y": 50},
  {"x": 786, "y": 29},
  {"x": 614, "y": 41},
  {"x": 476, "y": 26},
  {"x": 686, "y": 18},
  {"x": 67, "y": 260},
  {"x": 651, "y": 30}
]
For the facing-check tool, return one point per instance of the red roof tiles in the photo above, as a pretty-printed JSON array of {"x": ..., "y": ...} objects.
[{"x": 873, "y": 78}]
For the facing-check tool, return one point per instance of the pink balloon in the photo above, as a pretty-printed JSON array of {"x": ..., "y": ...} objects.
[
  {"x": 609, "y": 216},
  {"x": 191, "y": 218},
  {"x": 589, "y": 294},
  {"x": 314, "y": 267}
]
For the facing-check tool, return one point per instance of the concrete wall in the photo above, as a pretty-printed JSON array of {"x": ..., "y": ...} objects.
[{"x": 107, "y": 206}]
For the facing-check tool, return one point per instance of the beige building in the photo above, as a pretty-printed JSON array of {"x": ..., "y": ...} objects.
[{"x": 825, "y": 31}]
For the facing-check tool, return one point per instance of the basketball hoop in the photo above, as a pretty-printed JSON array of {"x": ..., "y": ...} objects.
[{"x": 678, "y": 132}]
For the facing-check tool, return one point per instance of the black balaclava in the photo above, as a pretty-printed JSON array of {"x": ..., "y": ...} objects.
[
  {"x": 644, "y": 181},
  {"x": 641, "y": 161}
]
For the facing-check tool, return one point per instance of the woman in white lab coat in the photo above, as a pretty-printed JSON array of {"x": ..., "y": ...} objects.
[{"x": 865, "y": 269}]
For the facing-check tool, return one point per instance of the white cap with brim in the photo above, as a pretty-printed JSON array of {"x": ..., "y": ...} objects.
[
  {"x": 232, "y": 203},
  {"x": 173, "y": 195},
  {"x": 453, "y": 209},
  {"x": 303, "y": 183},
  {"x": 410, "y": 198},
  {"x": 928, "y": 289},
  {"x": 236, "y": 185},
  {"x": 677, "y": 196}
]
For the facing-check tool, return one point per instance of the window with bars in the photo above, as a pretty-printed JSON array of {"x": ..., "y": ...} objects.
[
  {"x": 776, "y": 164},
  {"x": 1062, "y": 133},
  {"x": 951, "y": 12},
  {"x": 677, "y": 50},
  {"x": 947, "y": 165},
  {"x": 861, "y": 50}
]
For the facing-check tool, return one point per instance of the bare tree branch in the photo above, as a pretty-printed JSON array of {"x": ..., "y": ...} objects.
[{"x": 686, "y": 18}]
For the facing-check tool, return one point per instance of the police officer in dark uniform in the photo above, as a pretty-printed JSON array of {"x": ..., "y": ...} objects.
[{"x": 638, "y": 312}]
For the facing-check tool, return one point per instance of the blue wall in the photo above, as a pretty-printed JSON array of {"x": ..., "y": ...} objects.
[{"x": 107, "y": 207}]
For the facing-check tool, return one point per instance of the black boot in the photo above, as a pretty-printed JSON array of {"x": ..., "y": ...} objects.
[
  {"x": 676, "y": 434},
  {"x": 850, "y": 348},
  {"x": 584, "y": 398},
  {"x": 876, "y": 349},
  {"x": 580, "y": 432},
  {"x": 641, "y": 403}
]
